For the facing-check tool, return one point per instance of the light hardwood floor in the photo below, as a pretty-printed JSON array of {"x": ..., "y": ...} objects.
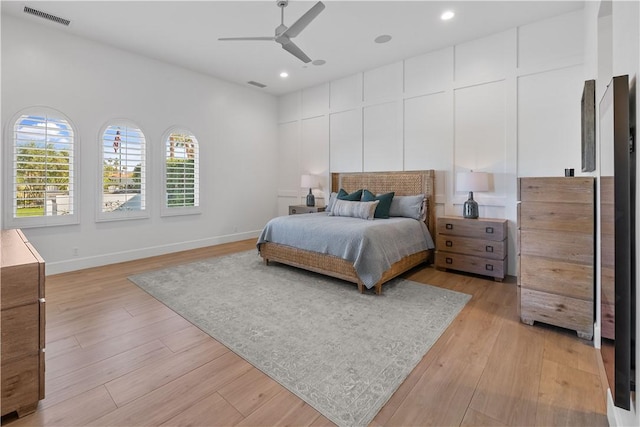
[{"x": 116, "y": 356}]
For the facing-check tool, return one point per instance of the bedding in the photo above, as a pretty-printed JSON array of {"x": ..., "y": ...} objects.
[{"x": 372, "y": 246}]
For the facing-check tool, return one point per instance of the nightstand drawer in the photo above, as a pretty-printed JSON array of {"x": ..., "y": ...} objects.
[
  {"x": 471, "y": 264},
  {"x": 302, "y": 209},
  {"x": 485, "y": 229},
  {"x": 470, "y": 246}
]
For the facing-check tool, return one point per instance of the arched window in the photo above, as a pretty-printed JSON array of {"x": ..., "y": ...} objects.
[
  {"x": 181, "y": 173},
  {"x": 42, "y": 170},
  {"x": 123, "y": 172}
]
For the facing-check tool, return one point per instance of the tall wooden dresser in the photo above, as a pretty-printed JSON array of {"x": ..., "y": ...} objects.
[
  {"x": 556, "y": 228},
  {"x": 23, "y": 322}
]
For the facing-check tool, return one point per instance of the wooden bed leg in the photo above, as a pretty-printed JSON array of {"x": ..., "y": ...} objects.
[
  {"x": 360, "y": 287},
  {"x": 265, "y": 261},
  {"x": 378, "y": 288}
]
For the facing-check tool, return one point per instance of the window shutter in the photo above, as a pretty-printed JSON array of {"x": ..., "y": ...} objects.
[
  {"x": 182, "y": 181},
  {"x": 123, "y": 182},
  {"x": 42, "y": 181}
]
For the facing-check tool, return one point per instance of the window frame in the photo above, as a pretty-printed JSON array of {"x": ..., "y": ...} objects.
[
  {"x": 9, "y": 165},
  {"x": 124, "y": 214},
  {"x": 165, "y": 210}
]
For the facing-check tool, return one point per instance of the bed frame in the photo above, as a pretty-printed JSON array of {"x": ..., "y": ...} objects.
[{"x": 403, "y": 184}]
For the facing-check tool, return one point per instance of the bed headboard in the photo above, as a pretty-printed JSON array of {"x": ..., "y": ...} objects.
[{"x": 406, "y": 183}]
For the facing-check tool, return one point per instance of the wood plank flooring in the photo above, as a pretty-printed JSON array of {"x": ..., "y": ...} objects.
[{"x": 115, "y": 356}]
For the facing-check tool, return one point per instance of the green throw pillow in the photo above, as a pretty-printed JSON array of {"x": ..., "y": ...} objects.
[
  {"x": 353, "y": 197},
  {"x": 382, "y": 210}
]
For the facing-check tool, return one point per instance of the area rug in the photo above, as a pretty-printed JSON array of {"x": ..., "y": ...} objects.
[{"x": 342, "y": 352}]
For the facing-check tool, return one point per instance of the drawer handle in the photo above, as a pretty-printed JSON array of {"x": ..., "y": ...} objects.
[
  {"x": 488, "y": 267},
  {"x": 449, "y": 226},
  {"x": 488, "y": 230},
  {"x": 449, "y": 260},
  {"x": 293, "y": 211},
  {"x": 488, "y": 248},
  {"x": 449, "y": 243}
]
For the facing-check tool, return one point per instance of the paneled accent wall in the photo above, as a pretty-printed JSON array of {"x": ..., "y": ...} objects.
[{"x": 508, "y": 104}]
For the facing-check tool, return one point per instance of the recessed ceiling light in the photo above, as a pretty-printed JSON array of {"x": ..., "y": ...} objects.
[
  {"x": 382, "y": 39},
  {"x": 447, "y": 15},
  {"x": 318, "y": 62},
  {"x": 284, "y": 74}
]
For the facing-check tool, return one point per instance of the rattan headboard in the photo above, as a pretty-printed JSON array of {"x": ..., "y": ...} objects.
[{"x": 407, "y": 183}]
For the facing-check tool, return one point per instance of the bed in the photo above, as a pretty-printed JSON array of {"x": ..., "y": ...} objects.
[{"x": 402, "y": 184}]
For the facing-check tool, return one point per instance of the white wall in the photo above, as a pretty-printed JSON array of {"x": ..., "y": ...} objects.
[
  {"x": 92, "y": 83},
  {"x": 508, "y": 104}
]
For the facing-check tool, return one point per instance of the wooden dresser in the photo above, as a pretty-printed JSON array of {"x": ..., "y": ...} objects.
[
  {"x": 556, "y": 228},
  {"x": 473, "y": 245},
  {"x": 23, "y": 322}
]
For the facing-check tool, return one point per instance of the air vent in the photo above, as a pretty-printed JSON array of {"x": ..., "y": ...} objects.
[
  {"x": 46, "y": 15},
  {"x": 260, "y": 85}
]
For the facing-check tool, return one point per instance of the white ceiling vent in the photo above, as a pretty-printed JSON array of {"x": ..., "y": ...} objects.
[
  {"x": 260, "y": 85},
  {"x": 46, "y": 15}
]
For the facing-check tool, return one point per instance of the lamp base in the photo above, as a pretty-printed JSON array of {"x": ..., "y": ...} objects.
[
  {"x": 470, "y": 208},
  {"x": 311, "y": 199}
]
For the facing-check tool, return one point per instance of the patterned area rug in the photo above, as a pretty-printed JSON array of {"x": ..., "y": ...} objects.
[{"x": 342, "y": 352}]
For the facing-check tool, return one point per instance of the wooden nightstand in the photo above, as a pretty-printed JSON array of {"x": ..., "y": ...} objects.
[
  {"x": 300, "y": 209},
  {"x": 473, "y": 245}
]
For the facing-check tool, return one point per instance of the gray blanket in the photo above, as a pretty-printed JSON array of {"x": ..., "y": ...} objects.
[{"x": 372, "y": 246}]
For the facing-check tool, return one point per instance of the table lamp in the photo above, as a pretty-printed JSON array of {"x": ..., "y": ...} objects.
[
  {"x": 310, "y": 182},
  {"x": 472, "y": 181}
]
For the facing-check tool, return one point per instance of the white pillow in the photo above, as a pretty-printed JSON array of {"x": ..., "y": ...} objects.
[
  {"x": 409, "y": 206},
  {"x": 363, "y": 210}
]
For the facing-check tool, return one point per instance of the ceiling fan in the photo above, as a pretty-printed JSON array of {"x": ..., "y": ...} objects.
[{"x": 284, "y": 34}]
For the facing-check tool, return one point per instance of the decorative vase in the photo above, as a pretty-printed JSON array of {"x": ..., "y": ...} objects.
[
  {"x": 470, "y": 207},
  {"x": 311, "y": 199}
]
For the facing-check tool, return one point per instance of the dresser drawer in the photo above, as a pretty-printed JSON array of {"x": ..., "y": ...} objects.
[
  {"x": 21, "y": 383},
  {"x": 557, "y": 276},
  {"x": 20, "y": 285},
  {"x": 471, "y": 264},
  {"x": 20, "y": 331},
  {"x": 568, "y": 246},
  {"x": 557, "y": 216},
  {"x": 557, "y": 189},
  {"x": 302, "y": 209},
  {"x": 470, "y": 246},
  {"x": 485, "y": 229},
  {"x": 566, "y": 312}
]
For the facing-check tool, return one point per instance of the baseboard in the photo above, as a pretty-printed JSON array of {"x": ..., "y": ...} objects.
[
  {"x": 130, "y": 255},
  {"x": 617, "y": 417}
]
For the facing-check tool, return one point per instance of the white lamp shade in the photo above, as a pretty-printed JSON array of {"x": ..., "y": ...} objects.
[
  {"x": 309, "y": 181},
  {"x": 472, "y": 181}
]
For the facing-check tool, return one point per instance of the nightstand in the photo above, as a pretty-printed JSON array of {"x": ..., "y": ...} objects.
[
  {"x": 300, "y": 209},
  {"x": 473, "y": 245}
]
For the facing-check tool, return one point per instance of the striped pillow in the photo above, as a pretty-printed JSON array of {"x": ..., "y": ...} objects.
[{"x": 364, "y": 210}]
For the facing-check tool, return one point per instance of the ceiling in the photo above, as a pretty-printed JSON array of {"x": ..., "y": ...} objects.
[{"x": 186, "y": 33}]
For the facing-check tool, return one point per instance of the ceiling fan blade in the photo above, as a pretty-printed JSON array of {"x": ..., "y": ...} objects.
[
  {"x": 304, "y": 20},
  {"x": 297, "y": 52},
  {"x": 246, "y": 38}
]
